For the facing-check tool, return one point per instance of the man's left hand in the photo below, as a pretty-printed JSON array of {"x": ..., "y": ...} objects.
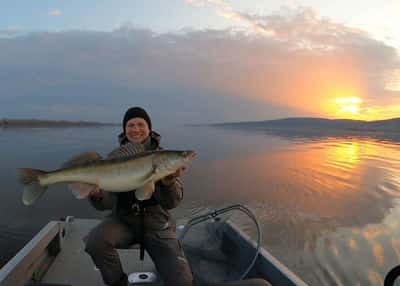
[{"x": 170, "y": 179}]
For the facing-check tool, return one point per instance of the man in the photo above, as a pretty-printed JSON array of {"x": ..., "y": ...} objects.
[{"x": 146, "y": 222}]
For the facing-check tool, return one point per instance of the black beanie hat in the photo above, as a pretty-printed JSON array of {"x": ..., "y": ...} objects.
[{"x": 136, "y": 112}]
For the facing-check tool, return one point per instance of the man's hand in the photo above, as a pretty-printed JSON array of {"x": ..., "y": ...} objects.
[
  {"x": 96, "y": 194},
  {"x": 170, "y": 179}
]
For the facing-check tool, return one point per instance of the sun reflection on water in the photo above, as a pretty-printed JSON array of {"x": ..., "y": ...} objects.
[{"x": 347, "y": 153}]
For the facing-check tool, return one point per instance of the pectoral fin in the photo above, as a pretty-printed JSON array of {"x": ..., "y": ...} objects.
[
  {"x": 81, "y": 190},
  {"x": 152, "y": 174},
  {"x": 145, "y": 192}
]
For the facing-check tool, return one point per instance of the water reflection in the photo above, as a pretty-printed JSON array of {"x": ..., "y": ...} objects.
[
  {"x": 307, "y": 194},
  {"x": 361, "y": 255},
  {"x": 322, "y": 134},
  {"x": 330, "y": 179}
]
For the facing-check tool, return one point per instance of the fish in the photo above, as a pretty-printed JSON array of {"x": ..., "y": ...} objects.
[{"x": 126, "y": 168}]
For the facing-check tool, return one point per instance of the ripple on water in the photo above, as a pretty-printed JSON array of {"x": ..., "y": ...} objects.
[{"x": 390, "y": 188}]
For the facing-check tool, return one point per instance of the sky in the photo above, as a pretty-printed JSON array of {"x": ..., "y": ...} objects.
[{"x": 200, "y": 61}]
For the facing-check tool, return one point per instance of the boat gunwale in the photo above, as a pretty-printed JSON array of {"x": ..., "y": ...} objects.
[
  {"x": 266, "y": 257},
  {"x": 19, "y": 269}
]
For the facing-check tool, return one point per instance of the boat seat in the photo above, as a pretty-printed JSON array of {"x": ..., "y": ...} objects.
[{"x": 140, "y": 277}]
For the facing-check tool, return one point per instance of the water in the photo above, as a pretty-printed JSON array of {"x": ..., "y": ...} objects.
[{"x": 329, "y": 207}]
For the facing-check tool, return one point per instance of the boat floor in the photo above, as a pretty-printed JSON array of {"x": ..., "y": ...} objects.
[{"x": 73, "y": 266}]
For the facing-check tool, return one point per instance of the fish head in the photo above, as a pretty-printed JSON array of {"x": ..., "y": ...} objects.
[{"x": 170, "y": 161}]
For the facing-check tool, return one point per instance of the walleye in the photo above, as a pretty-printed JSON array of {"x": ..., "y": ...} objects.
[{"x": 127, "y": 168}]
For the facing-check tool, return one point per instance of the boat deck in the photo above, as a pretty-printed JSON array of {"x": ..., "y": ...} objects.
[{"x": 73, "y": 266}]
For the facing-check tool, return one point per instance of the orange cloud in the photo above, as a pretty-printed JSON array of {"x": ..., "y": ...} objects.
[{"x": 307, "y": 63}]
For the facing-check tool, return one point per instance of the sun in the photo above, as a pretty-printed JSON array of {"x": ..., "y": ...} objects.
[
  {"x": 345, "y": 105},
  {"x": 348, "y": 106}
]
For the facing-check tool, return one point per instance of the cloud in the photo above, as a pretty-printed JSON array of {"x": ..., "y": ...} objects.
[
  {"x": 301, "y": 25},
  {"x": 227, "y": 74},
  {"x": 228, "y": 12},
  {"x": 55, "y": 13},
  {"x": 313, "y": 38}
]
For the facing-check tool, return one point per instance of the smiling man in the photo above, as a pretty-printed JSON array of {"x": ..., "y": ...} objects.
[
  {"x": 139, "y": 221},
  {"x": 146, "y": 222}
]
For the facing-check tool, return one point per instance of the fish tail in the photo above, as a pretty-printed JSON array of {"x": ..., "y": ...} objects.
[{"x": 32, "y": 187}]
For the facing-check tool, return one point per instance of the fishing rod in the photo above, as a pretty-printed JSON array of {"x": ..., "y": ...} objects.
[{"x": 214, "y": 215}]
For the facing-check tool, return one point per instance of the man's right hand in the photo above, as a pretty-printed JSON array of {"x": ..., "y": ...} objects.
[{"x": 96, "y": 194}]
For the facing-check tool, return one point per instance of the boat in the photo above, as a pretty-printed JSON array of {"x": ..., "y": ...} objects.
[{"x": 56, "y": 256}]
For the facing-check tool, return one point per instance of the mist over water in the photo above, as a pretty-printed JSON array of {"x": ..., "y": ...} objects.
[{"x": 329, "y": 206}]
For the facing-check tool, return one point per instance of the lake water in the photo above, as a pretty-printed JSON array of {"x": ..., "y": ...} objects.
[{"x": 329, "y": 207}]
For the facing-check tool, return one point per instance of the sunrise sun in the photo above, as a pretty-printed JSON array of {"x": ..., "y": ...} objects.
[{"x": 348, "y": 106}]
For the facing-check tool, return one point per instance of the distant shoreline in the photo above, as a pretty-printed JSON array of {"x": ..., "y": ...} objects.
[
  {"x": 37, "y": 123},
  {"x": 321, "y": 128},
  {"x": 318, "y": 125}
]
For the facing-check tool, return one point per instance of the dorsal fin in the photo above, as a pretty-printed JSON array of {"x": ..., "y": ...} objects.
[
  {"x": 128, "y": 150},
  {"x": 86, "y": 157}
]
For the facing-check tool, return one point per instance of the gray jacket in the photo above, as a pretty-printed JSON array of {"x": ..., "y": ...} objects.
[{"x": 157, "y": 216}]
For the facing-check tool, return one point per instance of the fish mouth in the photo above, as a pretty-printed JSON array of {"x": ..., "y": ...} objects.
[{"x": 189, "y": 155}]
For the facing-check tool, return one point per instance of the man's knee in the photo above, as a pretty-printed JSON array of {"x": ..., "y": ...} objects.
[{"x": 95, "y": 244}]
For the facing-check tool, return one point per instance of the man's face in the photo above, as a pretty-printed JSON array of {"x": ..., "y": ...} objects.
[{"x": 137, "y": 130}]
